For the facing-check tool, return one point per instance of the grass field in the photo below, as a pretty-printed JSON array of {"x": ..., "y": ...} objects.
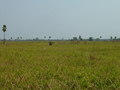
[{"x": 61, "y": 66}]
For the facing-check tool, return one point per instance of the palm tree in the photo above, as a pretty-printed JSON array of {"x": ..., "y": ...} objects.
[
  {"x": 111, "y": 38},
  {"x": 18, "y": 38},
  {"x": 44, "y": 36},
  {"x": 49, "y": 37},
  {"x": 79, "y": 37},
  {"x": 4, "y": 30}
]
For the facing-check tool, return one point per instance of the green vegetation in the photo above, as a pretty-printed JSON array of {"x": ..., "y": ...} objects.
[{"x": 61, "y": 66}]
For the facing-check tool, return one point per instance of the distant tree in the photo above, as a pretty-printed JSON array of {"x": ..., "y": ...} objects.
[
  {"x": 111, "y": 38},
  {"x": 49, "y": 37},
  {"x": 37, "y": 39},
  {"x": 90, "y": 38},
  {"x": 97, "y": 39},
  {"x": 75, "y": 38},
  {"x": 44, "y": 37},
  {"x": 115, "y": 38},
  {"x": 80, "y": 38},
  {"x": 118, "y": 39},
  {"x": 4, "y": 30},
  {"x": 100, "y": 36}
]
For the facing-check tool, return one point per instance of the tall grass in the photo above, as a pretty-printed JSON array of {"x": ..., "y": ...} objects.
[{"x": 67, "y": 66}]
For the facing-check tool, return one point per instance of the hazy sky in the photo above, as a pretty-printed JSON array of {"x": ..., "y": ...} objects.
[{"x": 60, "y": 18}]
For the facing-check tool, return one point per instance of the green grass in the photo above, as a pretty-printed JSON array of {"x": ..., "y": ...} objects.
[{"x": 61, "y": 66}]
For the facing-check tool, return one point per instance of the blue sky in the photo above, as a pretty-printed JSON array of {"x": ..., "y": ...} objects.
[{"x": 60, "y": 18}]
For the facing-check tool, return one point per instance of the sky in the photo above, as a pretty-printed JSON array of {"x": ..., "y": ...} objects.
[{"x": 60, "y": 18}]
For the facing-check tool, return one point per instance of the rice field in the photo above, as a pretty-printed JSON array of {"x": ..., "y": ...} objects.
[{"x": 65, "y": 65}]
